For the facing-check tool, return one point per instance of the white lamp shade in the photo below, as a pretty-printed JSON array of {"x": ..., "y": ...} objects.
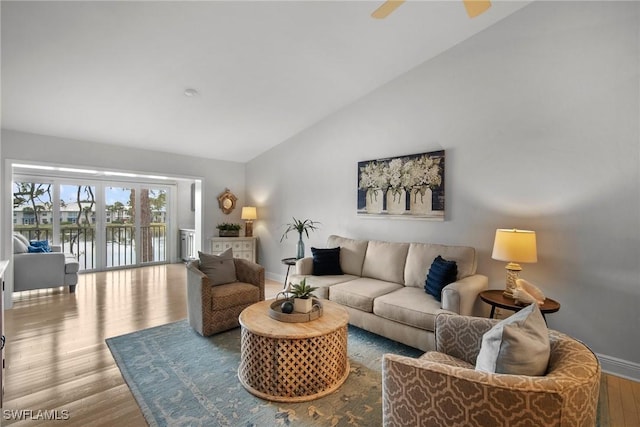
[
  {"x": 515, "y": 246},
  {"x": 249, "y": 213}
]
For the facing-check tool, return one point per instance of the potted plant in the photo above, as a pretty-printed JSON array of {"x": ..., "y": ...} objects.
[
  {"x": 228, "y": 229},
  {"x": 300, "y": 227},
  {"x": 302, "y": 297}
]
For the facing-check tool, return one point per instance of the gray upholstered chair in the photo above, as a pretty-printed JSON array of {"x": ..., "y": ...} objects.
[
  {"x": 42, "y": 270},
  {"x": 216, "y": 308},
  {"x": 442, "y": 388}
]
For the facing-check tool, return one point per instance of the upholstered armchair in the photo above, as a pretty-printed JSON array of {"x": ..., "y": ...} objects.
[
  {"x": 215, "y": 308},
  {"x": 42, "y": 270},
  {"x": 442, "y": 388}
]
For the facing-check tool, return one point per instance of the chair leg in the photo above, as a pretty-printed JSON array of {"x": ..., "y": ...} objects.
[{"x": 72, "y": 289}]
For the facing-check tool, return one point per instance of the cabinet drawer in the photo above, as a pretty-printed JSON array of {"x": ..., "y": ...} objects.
[
  {"x": 247, "y": 246},
  {"x": 216, "y": 246}
]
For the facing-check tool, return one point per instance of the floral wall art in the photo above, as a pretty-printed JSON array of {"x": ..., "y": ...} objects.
[{"x": 402, "y": 187}]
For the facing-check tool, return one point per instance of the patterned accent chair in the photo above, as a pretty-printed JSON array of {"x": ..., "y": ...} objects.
[
  {"x": 442, "y": 388},
  {"x": 214, "y": 309}
]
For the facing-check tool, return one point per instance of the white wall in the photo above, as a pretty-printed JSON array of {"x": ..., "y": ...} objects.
[
  {"x": 539, "y": 117},
  {"x": 216, "y": 174}
]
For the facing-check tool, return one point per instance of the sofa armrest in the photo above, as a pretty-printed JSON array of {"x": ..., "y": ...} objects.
[
  {"x": 461, "y": 296},
  {"x": 250, "y": 272},
  {"x": 38, "y": 270},
  {"x": 198, "y": 291},
  {"x": 45, "y": 262},
  {"x": 304, "y": 266},
  {"x": 406, "y": 382}
]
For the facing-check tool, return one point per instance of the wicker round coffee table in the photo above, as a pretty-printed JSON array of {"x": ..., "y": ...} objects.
[{"x": 293, "y": 362}]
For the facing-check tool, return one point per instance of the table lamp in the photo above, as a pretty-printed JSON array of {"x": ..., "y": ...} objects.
[
  {"x": 514, "y": 246},
  {"x": 248, "y": 214}
]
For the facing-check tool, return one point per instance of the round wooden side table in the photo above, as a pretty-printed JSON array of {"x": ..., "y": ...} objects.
[
  {"x": 293, "y": 362},
  {"x": 496, "y": 298}
]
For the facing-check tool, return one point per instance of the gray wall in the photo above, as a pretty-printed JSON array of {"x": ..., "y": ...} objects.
[
  {"x": 539, "y": 118},
  {"x": 215, "y": 174}
]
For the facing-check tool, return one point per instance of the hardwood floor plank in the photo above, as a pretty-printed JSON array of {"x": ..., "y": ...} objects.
[
  {"x": 57, "y": 358},
  {"x": 629, "y": 408}
]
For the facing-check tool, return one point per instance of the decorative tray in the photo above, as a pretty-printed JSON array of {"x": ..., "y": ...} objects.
[{"x": 275, "y": 312}]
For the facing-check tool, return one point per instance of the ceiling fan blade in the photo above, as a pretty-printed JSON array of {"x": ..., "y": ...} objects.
[
  {"x": 476, "y": 7},
  {"x": 386, "y": 8}
]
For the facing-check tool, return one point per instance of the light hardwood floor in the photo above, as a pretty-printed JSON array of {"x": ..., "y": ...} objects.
[{"x": 57, "y": 358}]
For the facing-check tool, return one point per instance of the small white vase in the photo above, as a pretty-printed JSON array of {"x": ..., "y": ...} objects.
[
  {"x": 396, "y": 201},
  {"x": 421, "y": 200},
  {"x": 374, "y": 200},
  {"x": 302, "y": 305}
]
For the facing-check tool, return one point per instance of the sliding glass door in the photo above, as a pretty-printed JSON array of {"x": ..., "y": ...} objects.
[
  {"x": 104, "y": 224},
  {"x": 77, "y": 219},
  {"x": 32, "y": 209},
  {"x": 153, "y": 225},
  {"x": 120, "y": 228}
]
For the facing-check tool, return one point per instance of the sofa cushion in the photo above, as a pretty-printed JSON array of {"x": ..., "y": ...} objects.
[
  {"x": 409, "y": 306},
  {"x": 385, "y": 261},
  {"x": 220, "y": 269},
  {"x": 441, "y": 273},
  {"x": 21, "y": 238},
  {"x": 517, "y": 345},
  {"x": 19, "y": 246},
  {"x": 361, "y": 292},
  {"x": 323, "y": 283},
  {"x": 326, "y": 261},
  {"x": 421, "y": 255},
  {"x": 352, "y": 253}
]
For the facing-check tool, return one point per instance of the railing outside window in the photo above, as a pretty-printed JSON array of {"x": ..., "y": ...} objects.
[{"x": 120, "y": 243}]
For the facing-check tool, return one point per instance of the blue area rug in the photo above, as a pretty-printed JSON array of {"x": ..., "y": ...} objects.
[{"x": 182, "y": 379}]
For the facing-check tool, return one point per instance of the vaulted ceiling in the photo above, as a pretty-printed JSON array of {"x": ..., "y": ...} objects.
[{"x": 117, "y": 72}]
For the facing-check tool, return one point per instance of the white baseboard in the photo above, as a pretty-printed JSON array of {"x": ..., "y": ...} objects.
[{"x": 619, "y": 367}]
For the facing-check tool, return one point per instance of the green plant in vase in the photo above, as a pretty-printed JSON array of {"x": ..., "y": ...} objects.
[
  {"x": 302, "y": 296},
  {"x": 301, "y": 227}
]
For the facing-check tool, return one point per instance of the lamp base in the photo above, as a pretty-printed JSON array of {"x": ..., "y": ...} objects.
[
  {"x": 513, "y": 270},
  {"x": 248, "y": 229}
]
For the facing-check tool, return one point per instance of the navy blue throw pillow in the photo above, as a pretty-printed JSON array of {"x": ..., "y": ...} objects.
[
  {"x": 326, "y": 261},
  {"x": 44, "y": 244},
  {"x": 36, "y": 249},
  {"x": 441, "y": 273}
]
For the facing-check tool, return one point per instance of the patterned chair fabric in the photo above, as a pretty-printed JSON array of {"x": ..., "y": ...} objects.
[
  {"x": 214, "y": 309},
  {"x": 442, "y": 388}
]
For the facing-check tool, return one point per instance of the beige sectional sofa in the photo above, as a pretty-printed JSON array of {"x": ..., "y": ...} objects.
[{"x": 382, "y": 287}]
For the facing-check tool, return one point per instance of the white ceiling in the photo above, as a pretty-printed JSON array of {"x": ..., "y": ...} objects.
[{"x": 116, "y": 72}]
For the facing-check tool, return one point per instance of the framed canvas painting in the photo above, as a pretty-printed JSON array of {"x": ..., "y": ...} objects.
[{"x": 403, "y": 187}]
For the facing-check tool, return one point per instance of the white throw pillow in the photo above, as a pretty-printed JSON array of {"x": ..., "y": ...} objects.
[
  {"x": 18, "y": 246},
  {"x": 518, "y": 345}
]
